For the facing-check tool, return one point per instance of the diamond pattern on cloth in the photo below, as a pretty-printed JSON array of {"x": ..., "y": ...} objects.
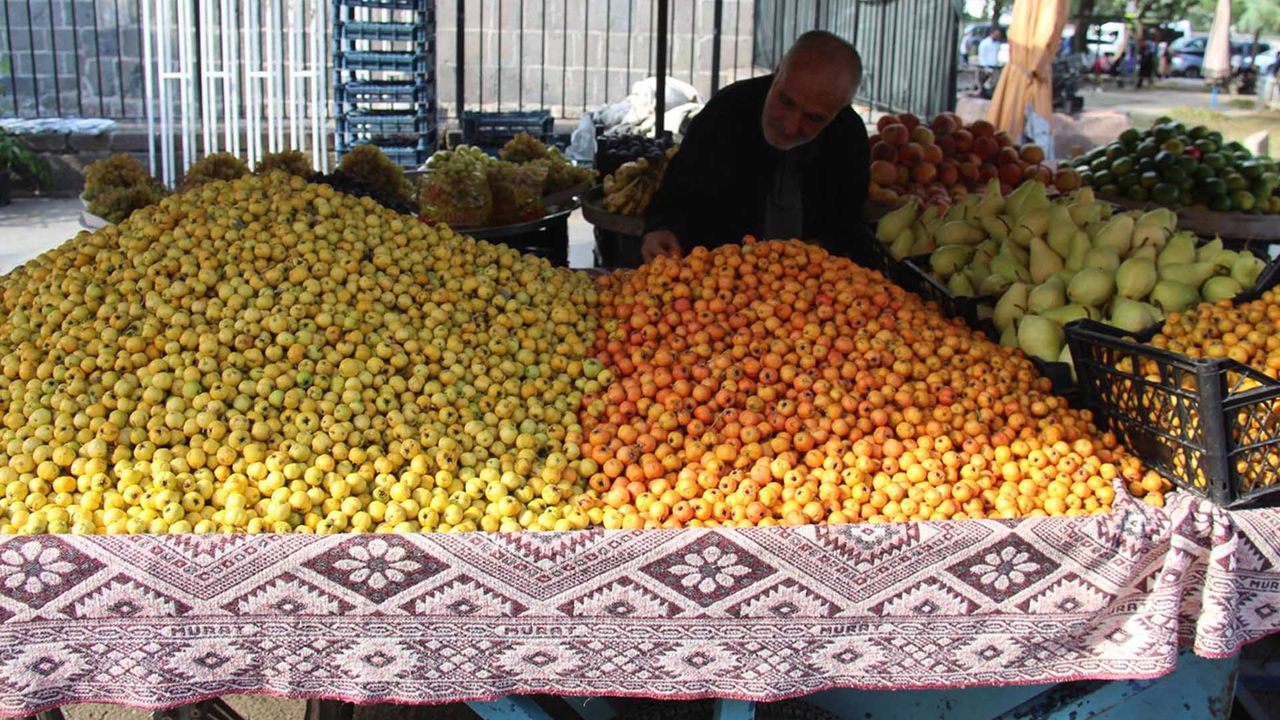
[{"x": 758, "y": 613}]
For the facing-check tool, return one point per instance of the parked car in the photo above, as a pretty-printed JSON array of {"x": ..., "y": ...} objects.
[
  {"x": 1240, "y": 55},
  {"x": 1186, "y": 56}
]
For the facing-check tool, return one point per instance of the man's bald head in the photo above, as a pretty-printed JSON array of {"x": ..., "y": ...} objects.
[
  {"x": 826, "y": 55},
  {"x": 815, "y": 81}
]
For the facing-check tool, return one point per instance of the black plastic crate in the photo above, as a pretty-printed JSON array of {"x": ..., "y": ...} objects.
[
  {"x": 491, "y": 130},
  {"x": 389, "y": 122},
  {"x": 384, "y": 91},
  {"x": 1211, "y": 427},
  {"x": 913, "y": 274}
]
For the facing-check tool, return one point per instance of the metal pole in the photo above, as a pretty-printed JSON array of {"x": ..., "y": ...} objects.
[
  {"x": 461, "y": 56},
  {"x": 715, "y": 45},
  {"x": 660, "y": 102}
]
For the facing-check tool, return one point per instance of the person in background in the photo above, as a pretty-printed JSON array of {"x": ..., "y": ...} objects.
[
  {"x": 989, "y": 49},
  {"x": 1147, "y": 62},
  {"x": 779, "y": 156}
]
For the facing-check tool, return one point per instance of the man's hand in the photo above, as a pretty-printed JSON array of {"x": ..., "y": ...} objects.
[{"x": 659, "y": 242}]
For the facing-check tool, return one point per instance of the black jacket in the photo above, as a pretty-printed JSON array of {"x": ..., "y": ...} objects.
[{"x": 715, "y": 189}]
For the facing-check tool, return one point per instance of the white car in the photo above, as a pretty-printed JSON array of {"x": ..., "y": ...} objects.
[{"x": 1263, "y": 62}]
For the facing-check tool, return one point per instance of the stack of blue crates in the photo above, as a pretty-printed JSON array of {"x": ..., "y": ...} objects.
[{"x": 384, "y": 77}]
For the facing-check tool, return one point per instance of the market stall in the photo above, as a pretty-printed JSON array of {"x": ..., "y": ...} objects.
[{"x": 756, "y": 614}]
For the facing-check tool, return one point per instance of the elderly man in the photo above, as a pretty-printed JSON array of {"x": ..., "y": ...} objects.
[{"x": 779, "y": 156}]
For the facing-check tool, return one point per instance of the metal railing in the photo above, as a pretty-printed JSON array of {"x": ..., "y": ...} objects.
[
  {"x": 85, "y": 57},
  {"x": 908, "y": 47},
  {"x": 80, "y": 58}
]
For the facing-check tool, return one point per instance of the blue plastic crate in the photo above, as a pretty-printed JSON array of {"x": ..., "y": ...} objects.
[
  {"x": 385, "y": 91},
  {"x": 383, "y": 60},
  {"x": 492, "y": 130},
  {"x": 419, "y": 5},
  {"x": 382, "y": 31}
]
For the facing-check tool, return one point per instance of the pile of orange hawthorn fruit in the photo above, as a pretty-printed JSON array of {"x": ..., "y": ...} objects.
[{"x": 771, "y": 383}]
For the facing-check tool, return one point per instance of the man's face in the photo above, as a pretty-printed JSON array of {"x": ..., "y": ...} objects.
[{"x": 800, "y": 104}]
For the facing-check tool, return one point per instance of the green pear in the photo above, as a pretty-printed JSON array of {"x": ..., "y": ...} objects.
[
  {"x": 1040, "y": 337},
  {"x": 1146, "y": 252},
  {"x": 1180, "y": 249},
  {"x": 1007, "y": 265},
  {"x": 901, "y": 247},
  {"x": 1080, "y": 248},
  {"x": 1009, "y": 336},
  {"x": 1131, "y": 315},
  {"x": 994, "y": 284},
  {"x": 1044, "y": 261},
  {"x": 1171, "y": 296},
  {"x": 1036, "y": 221},
  {"x": 1135, "y": 277},
  {"x": 1207, "y": 252},
  {"x": 1070, "y": 313},
  {"x": 1102, "y": 258},
  {"x": 947, "y": 260},
  {"x": 924, "y": 245},
  {"x": 1246, "y": 269},
  {"x": 977, "y": 272},
  {"x": 895, "y": 221},
  {"x": 1117, "y": 234},
  {"x": 1083, "y": 212},
  {"x": 1046, "y": 296},
  {"x": 1222, "y": 287},
  {"x": 1223, "y": 259},
  {"x": 1193, "y": 273},
  {"x": 1061, "y": 229},
  {"x": 997, "y": 226},
  {"x": 992, "y": 202},
  {"x": 1011, "y": 306},
  {"x": 960, "y": 286},
  {"x": 1065, "y": 357},
  {"x": 1092, "y": 286}
]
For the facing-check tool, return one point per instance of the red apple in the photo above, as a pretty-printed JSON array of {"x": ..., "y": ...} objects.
[
  {"x": 1032, "y": 153},
  {"x": 1011, "y": 174},
  {"x": 885, "y": 121},
  {"x": 924, "y": 173},
  {"x": 1007, "y": 156},
  {"x": 911, "y": 121},
  {"x": 933, "y": 154},
  {"x": 943, "y": 125},
  {"x": 963, "y": 139},
  {"x": 884, "y": 151},
  {"x": 1004, "y": 138},
  {"x": 982, "y": 128},
  {"x": 948, "y": 173},
  {"x": 948, "y": 145},
  {"x": 1066, "y": 179},
  {"x": 985, "y": 148},
  {"x": 896, "y": 134},
  {"x": 986, "y": 172},
  {"x": 922, "y": 134},
  {"x": 884, "y": 173}
]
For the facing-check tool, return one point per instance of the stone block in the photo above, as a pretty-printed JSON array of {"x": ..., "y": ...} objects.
[
  {"x": 47, "y": 142},
  {"x": 90, "y": 143}
]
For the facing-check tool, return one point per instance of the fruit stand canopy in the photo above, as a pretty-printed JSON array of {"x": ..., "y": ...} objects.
[
  {"x": 1033, "y": 41},
  {"x": 767, "y": 613}
]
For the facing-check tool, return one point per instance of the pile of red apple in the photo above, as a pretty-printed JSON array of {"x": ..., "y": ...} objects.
[{"x": 944, "y": 160}]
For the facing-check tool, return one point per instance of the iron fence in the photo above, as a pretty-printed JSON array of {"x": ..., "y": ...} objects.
[
  {"x": 80, "y": 58},
  {"x": 908, "y": 47},
  {"x": 85, "y": 57}
]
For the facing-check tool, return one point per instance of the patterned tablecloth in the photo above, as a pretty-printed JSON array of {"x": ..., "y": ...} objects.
[{"x": 755, "y": 613}]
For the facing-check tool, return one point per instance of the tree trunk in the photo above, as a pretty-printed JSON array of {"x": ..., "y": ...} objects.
[
  {"x": 997, "y": 7},
  {"x": 1080, "y": 43},
  {"x": 1253, "y": 49}
]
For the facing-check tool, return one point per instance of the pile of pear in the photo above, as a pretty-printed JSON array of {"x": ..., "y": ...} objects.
[{"x": 1050, "y": 261}]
